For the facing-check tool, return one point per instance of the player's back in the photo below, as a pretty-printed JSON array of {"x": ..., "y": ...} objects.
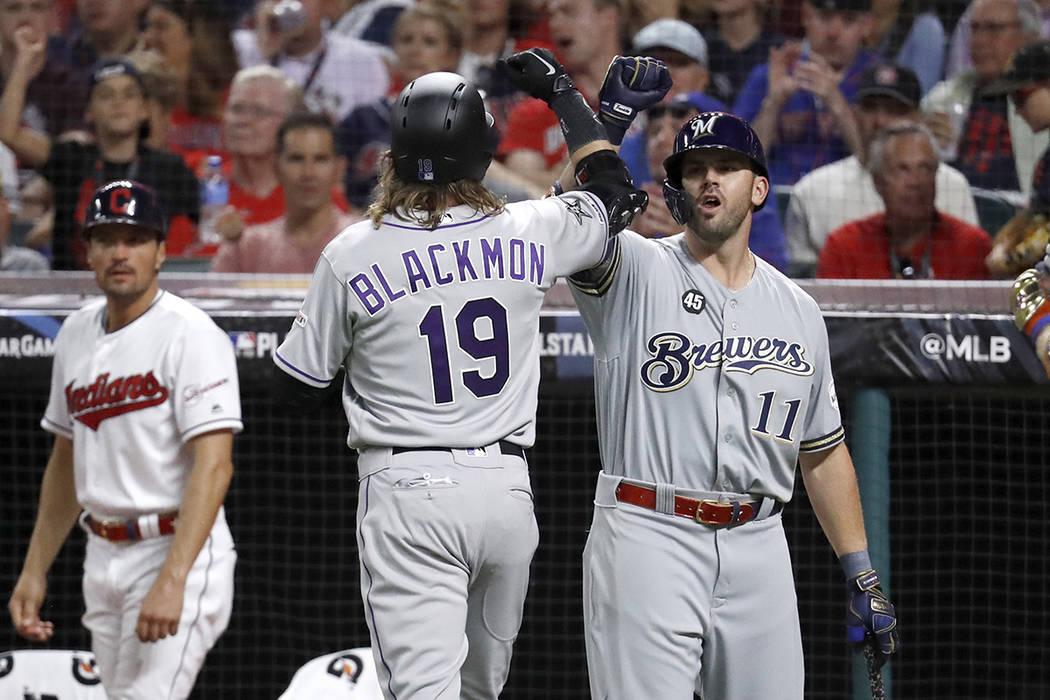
[{"x": 438, "y": 329}]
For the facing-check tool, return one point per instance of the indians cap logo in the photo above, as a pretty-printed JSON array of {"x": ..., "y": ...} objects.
[{"x": 106, "y": 398}]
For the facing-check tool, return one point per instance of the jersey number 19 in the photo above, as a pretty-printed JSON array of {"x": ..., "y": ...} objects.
[{"x": 494, "y": 344}]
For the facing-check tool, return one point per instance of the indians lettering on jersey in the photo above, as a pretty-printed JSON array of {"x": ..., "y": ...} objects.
[
  {"x": 675, "y": 357},
  {"x": 105, "y": 398},
  {"x": 447, "y": 263}
]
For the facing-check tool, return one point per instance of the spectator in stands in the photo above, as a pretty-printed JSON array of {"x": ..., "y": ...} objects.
[
  {"x": 988, "y": 141},
  {"x": 910, "y": 239},
  {"x": 906, "y": 35},
  {"x": 308, "y": 168},
  {"x": 427, "y": 37},
  {"x": 261, "y": 98},
  {"x": 162, "y": 89},
  {"x": 586, "y": 35},
  {"x": 336, "y": 72},
  {"x": 833, "y": 194},
  {"x": 195, "y": 43},
  {"x": 958, "y": 56},
  {"x": 496, "y": 29},
  {"x": 371, "y": 20},
  {"x": 799, "y": 102},
  {"x": 117, "y": 111},
  {"x": 15, "y": 258},
  {"x": 107, "y": 29},
  {"x": 55, "y": 97},
  {"x": 683, "y": 50},
  {"x": 1027, "y": 78},
  {"x": 662, "y": 124},
  {"x": 739, "y": 41},
  {"x": 36, "y": 213}
]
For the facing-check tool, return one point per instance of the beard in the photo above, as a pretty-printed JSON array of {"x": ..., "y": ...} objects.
[{"x": 716, "y": 230}]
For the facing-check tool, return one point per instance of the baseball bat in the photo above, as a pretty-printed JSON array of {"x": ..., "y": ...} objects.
[{"x": 874, "y": 671}]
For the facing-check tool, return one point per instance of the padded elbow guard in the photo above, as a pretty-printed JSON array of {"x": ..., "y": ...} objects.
[{"x": 604, "y": 175}]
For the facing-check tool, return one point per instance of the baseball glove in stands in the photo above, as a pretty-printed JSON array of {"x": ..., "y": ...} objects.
[{"x": 1019, "y": 244}]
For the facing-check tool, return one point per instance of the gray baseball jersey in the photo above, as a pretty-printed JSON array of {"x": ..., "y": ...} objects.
[
  {"x": 702, "y": 387},
  {"x": 439, "y": 330},
  {"x": 708, "y": 394}
]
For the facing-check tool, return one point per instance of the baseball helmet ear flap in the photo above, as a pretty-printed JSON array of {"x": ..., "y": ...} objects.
[{"x": 679, "y": 202}]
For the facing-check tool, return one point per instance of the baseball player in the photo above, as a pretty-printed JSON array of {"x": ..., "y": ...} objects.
[
  {"x": 432, "y": 308},
  {"x": 712, "y": 377},
  {"x": 344, "y": 675},
  {"x": 49, "y": 674},
  {"x": 144, "y": 403}
]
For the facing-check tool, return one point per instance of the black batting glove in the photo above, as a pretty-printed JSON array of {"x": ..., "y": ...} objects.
[
  {"x": 870, "y": 615},
  {"x": 632, "y": 84},
  {"x": 537, "y": 72}
]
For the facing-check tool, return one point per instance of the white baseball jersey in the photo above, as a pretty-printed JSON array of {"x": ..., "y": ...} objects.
[
  {"x": 439, "y": 329},
  {"x": 344, "y": 675},
  {"x": 131, "y": 399},
  {"x": 49, "y": 674},
  {"x": 703, "y": 387}
]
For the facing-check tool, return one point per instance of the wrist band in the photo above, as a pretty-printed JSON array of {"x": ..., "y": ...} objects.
[
  {"x": 1038, "y": 322},
  {"x": 855, "y": 563},
  {"x": 578, "y": 123}
]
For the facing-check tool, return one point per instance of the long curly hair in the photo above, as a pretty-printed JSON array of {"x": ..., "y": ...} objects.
[{"x": 423, "y": 203}]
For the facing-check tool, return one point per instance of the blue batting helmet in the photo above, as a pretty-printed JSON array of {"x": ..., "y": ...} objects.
[
  {"x": 126, "y": 202},
  {"x": 719, "y": 130},
  {"x": 440, "y": 131}
]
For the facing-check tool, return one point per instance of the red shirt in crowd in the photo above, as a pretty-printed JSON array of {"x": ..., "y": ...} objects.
[{"x": 861, "y": 250}]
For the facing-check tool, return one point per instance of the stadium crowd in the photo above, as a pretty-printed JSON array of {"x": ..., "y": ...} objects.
[{"x": 154, "y": 90}]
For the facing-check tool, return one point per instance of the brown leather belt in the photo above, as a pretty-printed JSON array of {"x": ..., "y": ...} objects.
[
  {"x": 706, "y": 512},
  {"x": 129, "y": 530}
]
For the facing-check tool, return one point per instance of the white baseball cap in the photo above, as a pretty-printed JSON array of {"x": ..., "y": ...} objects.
[{"x": 671, "y": 34}]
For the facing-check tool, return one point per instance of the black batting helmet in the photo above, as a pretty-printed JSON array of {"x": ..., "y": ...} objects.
[
  {"x": 441, "y": 131},
  {"x": 719, "y": 130},
  {"x": 126, "y": 202}
]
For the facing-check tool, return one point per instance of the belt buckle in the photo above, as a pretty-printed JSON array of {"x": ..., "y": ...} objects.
[
  {"x": 103, "y": 529},
  {"x": 700, "y": 512}
]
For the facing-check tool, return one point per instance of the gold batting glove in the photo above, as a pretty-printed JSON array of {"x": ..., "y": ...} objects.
[{"x": 1030, "y": 303}]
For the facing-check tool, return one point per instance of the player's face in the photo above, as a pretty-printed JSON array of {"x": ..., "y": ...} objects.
[
  {"x": 834, "y": 34},
  {"x": 876, "y": 112},
  {"x": 117, "y": 106},
  {"x": 995, "y": 34},
  {"x": 168, "y": 35},
  {"x": 309, "y": 168},
  {"x": 907, "y": 178},
  {"x": 254, "y": 112},
  {"x": 723, "y": 189},
  {"x": 125, "y": 260},
  {"x": 422, "y": 46},
  {"x": 15, "y": 14},
  {"x": 1033, "y": 103}
]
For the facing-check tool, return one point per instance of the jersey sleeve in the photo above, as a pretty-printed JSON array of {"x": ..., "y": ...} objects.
[
  {"x": 206, "y": 396},
  {"x": 823, "y": 427},
  {"x": 56, "y": 417},
  {"x": 577, "y": 227},
  {"x": 321, "y": 335}
]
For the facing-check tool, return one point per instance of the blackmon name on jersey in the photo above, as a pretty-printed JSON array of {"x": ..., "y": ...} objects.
[{"x": 441, "y": 264}]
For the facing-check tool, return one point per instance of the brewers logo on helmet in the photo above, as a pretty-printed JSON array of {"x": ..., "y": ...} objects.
[
  {"x": 440, "y": 131},
  {"x": 126, "y": 202},
  {"x": 718, "y": 130}
]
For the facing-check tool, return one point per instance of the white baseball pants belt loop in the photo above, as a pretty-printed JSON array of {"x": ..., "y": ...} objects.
[
  {"x": 708, "y": 508},
  {"x": 141, "y": 528}
]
